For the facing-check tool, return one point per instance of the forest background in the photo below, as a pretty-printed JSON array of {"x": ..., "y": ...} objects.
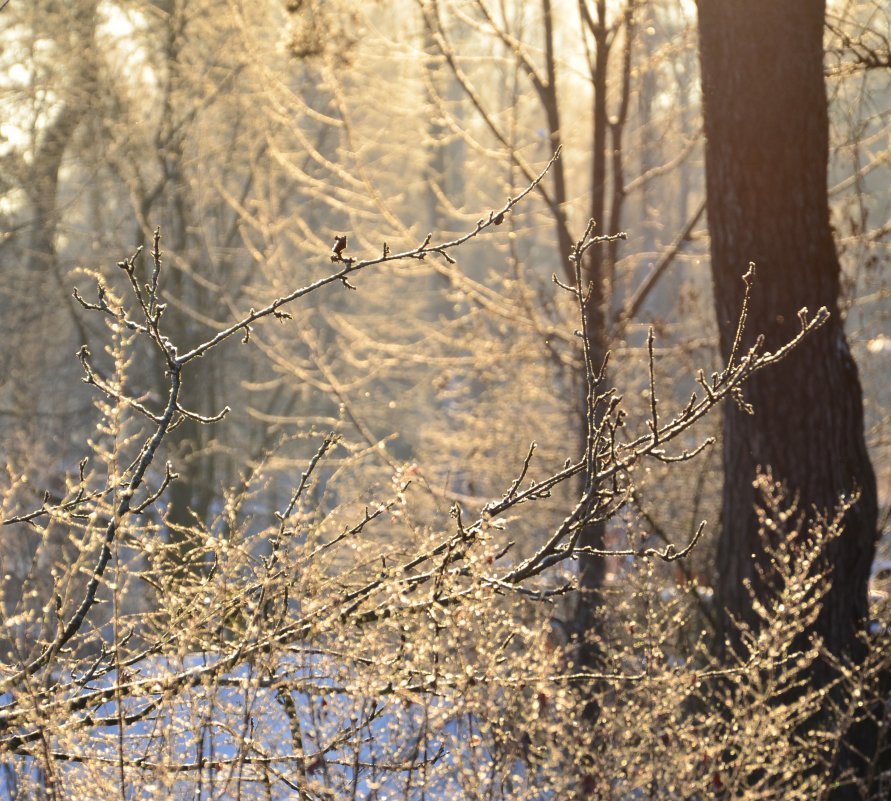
[{"x": 346, "y": 586}]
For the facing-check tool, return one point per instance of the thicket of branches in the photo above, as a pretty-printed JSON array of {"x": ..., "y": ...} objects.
[
  {"x": 362, "y": 580},
  {"x": 357, "y": 644}
]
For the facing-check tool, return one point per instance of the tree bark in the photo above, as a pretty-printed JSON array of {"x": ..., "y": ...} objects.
[
  {"x": 596, "y": 271},
  {"x": 767, "y": 130}
]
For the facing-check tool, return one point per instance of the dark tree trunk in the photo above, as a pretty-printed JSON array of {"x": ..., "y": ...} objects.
[
  {"x": 766, "y": 125},
  {"x": 588, "y": 615},
  {"x": 592, "y": 569}
]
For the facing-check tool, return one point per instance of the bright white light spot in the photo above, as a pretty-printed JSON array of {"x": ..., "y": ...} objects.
[{"x": 880, "y": 344}]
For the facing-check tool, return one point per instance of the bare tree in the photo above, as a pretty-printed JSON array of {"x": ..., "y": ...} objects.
[
  {"x": 607, "y": 44},
  {"x": 767, "y": 186},
  {"x": 767, "y": 203}
]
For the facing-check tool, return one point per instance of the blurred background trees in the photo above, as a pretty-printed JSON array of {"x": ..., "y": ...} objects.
[{"x": 255, "y": 133}]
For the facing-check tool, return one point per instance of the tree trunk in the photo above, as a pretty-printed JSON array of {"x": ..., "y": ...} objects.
[
  {"x": 588, "y": 615},
  {"x": 766, "y": 125}
]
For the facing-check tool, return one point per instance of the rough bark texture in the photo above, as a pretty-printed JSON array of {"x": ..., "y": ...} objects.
[{"x": 766, "y": 126}]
